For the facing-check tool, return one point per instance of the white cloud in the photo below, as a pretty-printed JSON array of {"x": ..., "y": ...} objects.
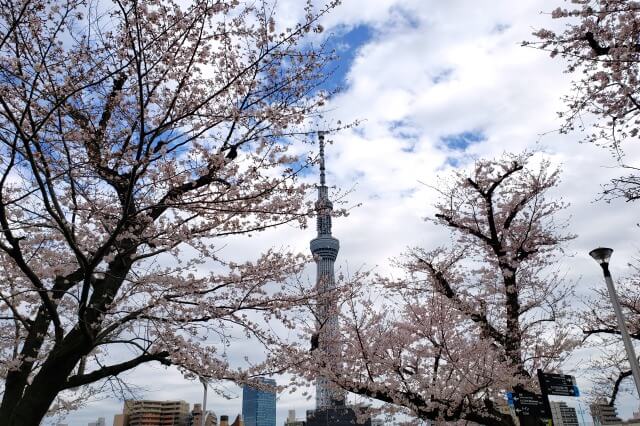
[{"x": 437, "y": 68}]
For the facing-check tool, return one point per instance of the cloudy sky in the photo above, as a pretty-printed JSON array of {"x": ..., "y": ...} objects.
[{"x": 438, "y": 83}]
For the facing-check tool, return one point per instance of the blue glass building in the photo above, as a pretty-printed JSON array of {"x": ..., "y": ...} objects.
[{"x": 259, "y": 406}]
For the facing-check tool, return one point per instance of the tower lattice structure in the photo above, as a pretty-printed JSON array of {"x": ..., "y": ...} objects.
[{"x": 325, "y": 250}]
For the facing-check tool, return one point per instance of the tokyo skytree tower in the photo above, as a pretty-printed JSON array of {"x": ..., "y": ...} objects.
[{"x": 325, "y": 250}]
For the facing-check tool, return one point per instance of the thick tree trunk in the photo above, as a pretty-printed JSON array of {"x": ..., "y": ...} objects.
[
  {"x": 513, "y": 334},
  {"x": 40, "y": 394},
  {"x": 16, "y": 379},
  {"x": 29, "y": 405}
]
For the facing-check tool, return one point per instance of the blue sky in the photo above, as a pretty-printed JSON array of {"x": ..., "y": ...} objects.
[
  {"x": 346, "y": 42},
  {"x": 436, "y": 84}
]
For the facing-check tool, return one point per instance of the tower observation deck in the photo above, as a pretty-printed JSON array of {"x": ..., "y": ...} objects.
[{"x": 325, "y": 250}]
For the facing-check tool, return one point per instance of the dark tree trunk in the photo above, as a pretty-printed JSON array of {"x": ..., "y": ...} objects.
[
  {"x": 26, "y": 405},
  {"x": 50, "y": 380},
  {"x": 16, "y": 380}
]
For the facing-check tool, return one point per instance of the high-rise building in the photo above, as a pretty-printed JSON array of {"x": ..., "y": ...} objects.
[
  {"x": 325, "y": 251},
  {"x": 154, "y": 413},
  {"x": 118, "y": 420},
  {"x": 259, "y": 405},
  {"x": 292, "y": 421},
  {"x": 604, "y": 414},
  {"x": 331, "y": 408},
  {"x": 562, "y": 414},
  {"x": 100, "y": 422}
]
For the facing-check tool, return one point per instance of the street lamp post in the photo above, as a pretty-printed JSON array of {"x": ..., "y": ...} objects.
[
  {"x": 602, "y": 256},
  {"x": 204, "y": 401}
]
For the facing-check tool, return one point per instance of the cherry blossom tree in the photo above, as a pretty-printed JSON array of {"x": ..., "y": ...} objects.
[
  {"x": 471, "y": 320},
  {"x": 600, "y": 46},
  {"x": 601, "y": 331},
  {"x": 134, "y": 137}
]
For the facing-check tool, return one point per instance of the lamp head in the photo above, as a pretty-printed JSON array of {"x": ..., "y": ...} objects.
[{"x": 601, "y": 255}]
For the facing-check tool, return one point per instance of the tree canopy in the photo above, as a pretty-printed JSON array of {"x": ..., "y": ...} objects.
[
  {"x": 134, "y": 136},
  {"x": 473, "y": 319},
  {"x": 599, "y": 43}
]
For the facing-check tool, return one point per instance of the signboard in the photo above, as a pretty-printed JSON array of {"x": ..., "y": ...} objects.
[
  {"x": 558, "y": 384},
  {"x": 530, "y": 405},
  {"x": 510, "y": 399}
]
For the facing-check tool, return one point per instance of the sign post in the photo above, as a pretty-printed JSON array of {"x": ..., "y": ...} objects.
[
  {"x": 529, "y": 408},
  {"x": 545, "y": 395},
  {"x": 556, "y": 384}
]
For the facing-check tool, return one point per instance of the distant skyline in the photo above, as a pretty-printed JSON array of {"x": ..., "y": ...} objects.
[{"x": 437, "y": 84}]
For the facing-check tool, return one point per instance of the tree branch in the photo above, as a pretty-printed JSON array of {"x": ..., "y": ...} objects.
[{"x": 114, "y": 370}]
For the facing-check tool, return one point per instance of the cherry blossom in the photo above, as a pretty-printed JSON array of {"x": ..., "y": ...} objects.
[
  {"x": 472, "y": 320},
  {"x": 599, "y": 44},
  {"x": 135, "y": 136},
  {"x": 601, "y": 332}
]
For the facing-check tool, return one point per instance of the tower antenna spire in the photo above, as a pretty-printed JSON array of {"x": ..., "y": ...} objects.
[{"x": 321, "y": 145}]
